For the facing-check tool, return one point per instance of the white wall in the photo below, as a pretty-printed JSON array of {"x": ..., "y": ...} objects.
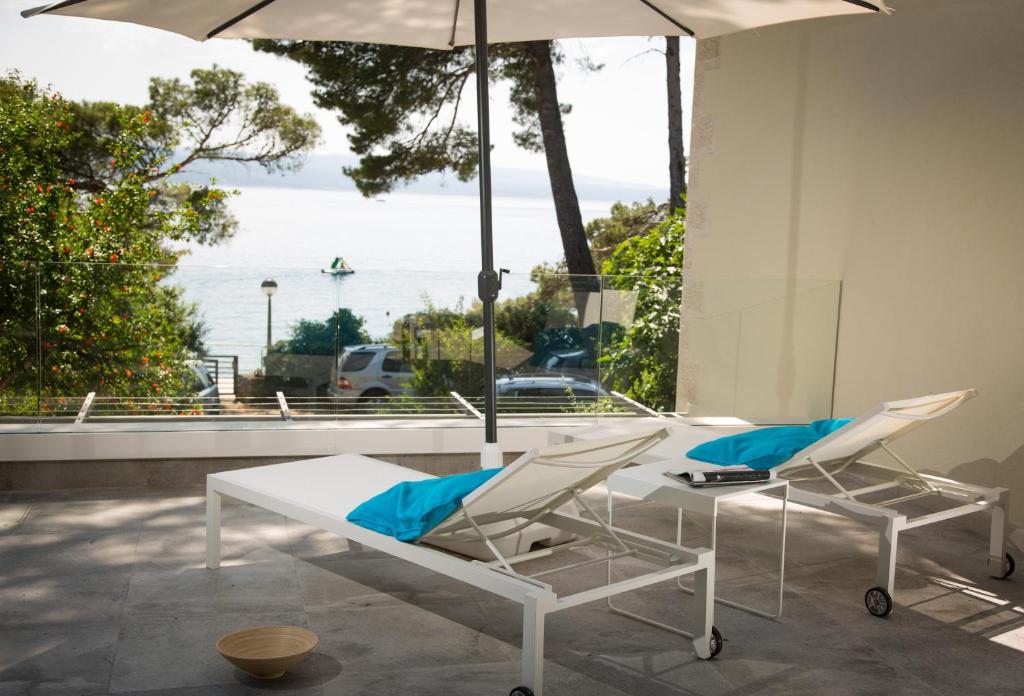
[{"x": 887, "y": 153}]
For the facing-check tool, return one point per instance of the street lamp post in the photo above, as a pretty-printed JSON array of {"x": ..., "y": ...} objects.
[{"x": 269, "y": 287}]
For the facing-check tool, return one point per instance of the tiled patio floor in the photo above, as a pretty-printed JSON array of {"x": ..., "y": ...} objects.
[{"x": 105, "y": 592}]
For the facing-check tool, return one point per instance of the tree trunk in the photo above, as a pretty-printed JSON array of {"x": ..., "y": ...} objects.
[
  {"x": 676, "y": 154},
  {"x": 567, "y": 206}
]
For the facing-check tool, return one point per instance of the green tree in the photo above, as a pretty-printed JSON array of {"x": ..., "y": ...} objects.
[
  {"x": 88, "y": 213},
  {"x": 676, "y": 151},
  {"x": 217, "y": 116},
  {"x": 80, "y": 265},
  {"x": 641, "y": 360},
  {"x": 312, "y": 337},
  {"x": 624, "y": 221},
  {"x": 403, "y": 106}
]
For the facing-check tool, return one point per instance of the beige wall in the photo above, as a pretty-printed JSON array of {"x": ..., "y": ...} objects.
[{"x": 888, "y": 153}]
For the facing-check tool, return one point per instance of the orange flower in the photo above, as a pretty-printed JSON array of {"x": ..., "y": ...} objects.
[
  {"x": 145, "y": 360},
  {"x": 114, "y": 258},
  {"x": 127, "y": 372}
]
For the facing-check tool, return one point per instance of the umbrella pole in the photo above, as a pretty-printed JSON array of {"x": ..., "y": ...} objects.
[{"x": 488, "y": 282}]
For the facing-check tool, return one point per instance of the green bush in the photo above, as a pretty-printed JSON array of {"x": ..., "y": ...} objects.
[
  {"x": 95, "y": 261},
  {"x": 641, "y": 361},
  {"x": 312, "y": 337}
]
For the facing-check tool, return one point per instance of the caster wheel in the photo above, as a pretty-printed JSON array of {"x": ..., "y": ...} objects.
[
  {"x": 716, "y": 642},
  {"x": 521, "y": 691},
  {"x": 1010, "y": 567},
  {"x": 878, "y": 602}
]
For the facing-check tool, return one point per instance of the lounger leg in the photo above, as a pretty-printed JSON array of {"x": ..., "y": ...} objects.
[
  {"x": 887, "y": 543},
  {"x": 997, "y": 566},
  {"x": 703, "y": 610},
  {"x": 212, "y": 528},
  {"x": 533, "y": 645}
]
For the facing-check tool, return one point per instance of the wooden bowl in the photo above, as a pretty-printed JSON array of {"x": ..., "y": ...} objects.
[{"x": 266, "y": 652}]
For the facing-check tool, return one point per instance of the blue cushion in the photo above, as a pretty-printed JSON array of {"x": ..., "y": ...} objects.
[
  {"x": 764, "y": 448},
  {"x": 410, "y": 509}
]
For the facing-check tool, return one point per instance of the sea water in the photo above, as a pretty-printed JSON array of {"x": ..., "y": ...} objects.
[{"x": 408, "y": 251}]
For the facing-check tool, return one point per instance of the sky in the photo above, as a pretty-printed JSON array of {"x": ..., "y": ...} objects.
[{"x": 617, "y": 129}]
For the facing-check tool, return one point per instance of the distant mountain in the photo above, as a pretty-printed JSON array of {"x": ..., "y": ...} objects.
[{"x": 324, "y": 172}]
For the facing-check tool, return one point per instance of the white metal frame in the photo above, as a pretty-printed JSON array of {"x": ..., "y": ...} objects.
[
  {"x": 826, "y": 459},
  {"x": 705, "y": 501},
  {"x": 500, "y": 576}
]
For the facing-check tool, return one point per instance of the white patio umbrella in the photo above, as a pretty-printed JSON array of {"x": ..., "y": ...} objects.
[{"x": 444, "y": 24}]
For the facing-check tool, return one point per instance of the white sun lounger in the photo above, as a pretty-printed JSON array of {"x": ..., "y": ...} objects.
[
  {"x": 817, "y": 475},
  {"x": 321, "y": 492},
  {"x": 844, "y": 450}
]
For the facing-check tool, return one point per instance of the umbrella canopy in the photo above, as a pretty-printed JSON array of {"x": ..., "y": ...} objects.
[{"x": 444, "y": 24}]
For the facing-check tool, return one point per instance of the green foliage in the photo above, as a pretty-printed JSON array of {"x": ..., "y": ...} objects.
[
  {"x": 642, "y": 361},
  {"x": 445, "y": 348},
  {"x": 625, "y": 221},
  {"x": 311, "y": 337},
  {"x": 220, "y": 116},
  {"x": 88, "y": 210},
  {"x": 105, "y": 321},
  {"x": 216, "y": 116},
  {"x": 402, "y": 105}
]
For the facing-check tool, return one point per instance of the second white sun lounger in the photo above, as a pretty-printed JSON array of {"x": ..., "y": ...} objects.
[
  {"x": 833, "y": 475},
  {"x": 321, "y": 492},
  {"x": 816, "y": 479}
]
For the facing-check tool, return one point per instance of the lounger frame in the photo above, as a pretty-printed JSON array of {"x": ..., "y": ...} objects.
[
  {"x": 500, "y": 576},
  {"x": 890, "y": 521},
  {"x": 872, "y": 433}
]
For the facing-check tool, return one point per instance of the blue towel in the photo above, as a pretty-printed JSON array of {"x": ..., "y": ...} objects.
[
  {"x": 410, "y": 509},
  {"x": 764, "y": 448}
]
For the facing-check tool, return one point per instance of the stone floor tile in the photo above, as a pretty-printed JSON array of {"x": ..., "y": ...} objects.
[
  {"x": 346, "y": 581},
  {"x": 173, "y": 652},
  {"x": 12, "y": 513},
  {"x": 86, "y": 515},
  {"x": 68, "y": 552},
  {"x": 60, "y": 659},
  {"x": 403, "y": 637},
  {"x": 190, "y": 511},
  {"x": 130, "y": 566},
  {"x": 184, "y": 548},
  {"x": 253, "y": 588},
  {"x": 62, "y": 600}
]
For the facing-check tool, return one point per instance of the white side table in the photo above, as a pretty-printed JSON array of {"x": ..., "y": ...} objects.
[{"x": 649, "y": 482}]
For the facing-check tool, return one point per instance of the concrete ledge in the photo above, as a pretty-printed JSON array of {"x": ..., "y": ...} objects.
[{"x": 173, "y": 473}]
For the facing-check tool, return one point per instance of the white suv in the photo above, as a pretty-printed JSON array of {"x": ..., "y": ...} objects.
[{"x": 371, "y": 372}]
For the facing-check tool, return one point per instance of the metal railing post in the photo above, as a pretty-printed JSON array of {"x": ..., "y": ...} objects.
[
  {"x": 282, "y": 403},
  {"x": 86, "y": 405}
]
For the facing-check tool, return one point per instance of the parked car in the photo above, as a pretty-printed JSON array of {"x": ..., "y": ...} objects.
[
  {"x": 204, "y": 388},
  {"x": 549, "y": 386},
  {"x": 371, "y": 372}
]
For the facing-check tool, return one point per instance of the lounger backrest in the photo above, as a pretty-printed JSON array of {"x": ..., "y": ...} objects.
[
  {"x": 887, "y": 421},
  {"x": 541, "y": 477}
]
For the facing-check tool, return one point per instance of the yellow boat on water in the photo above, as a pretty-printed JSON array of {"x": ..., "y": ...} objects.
[{"x": 338, "y": 267}]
